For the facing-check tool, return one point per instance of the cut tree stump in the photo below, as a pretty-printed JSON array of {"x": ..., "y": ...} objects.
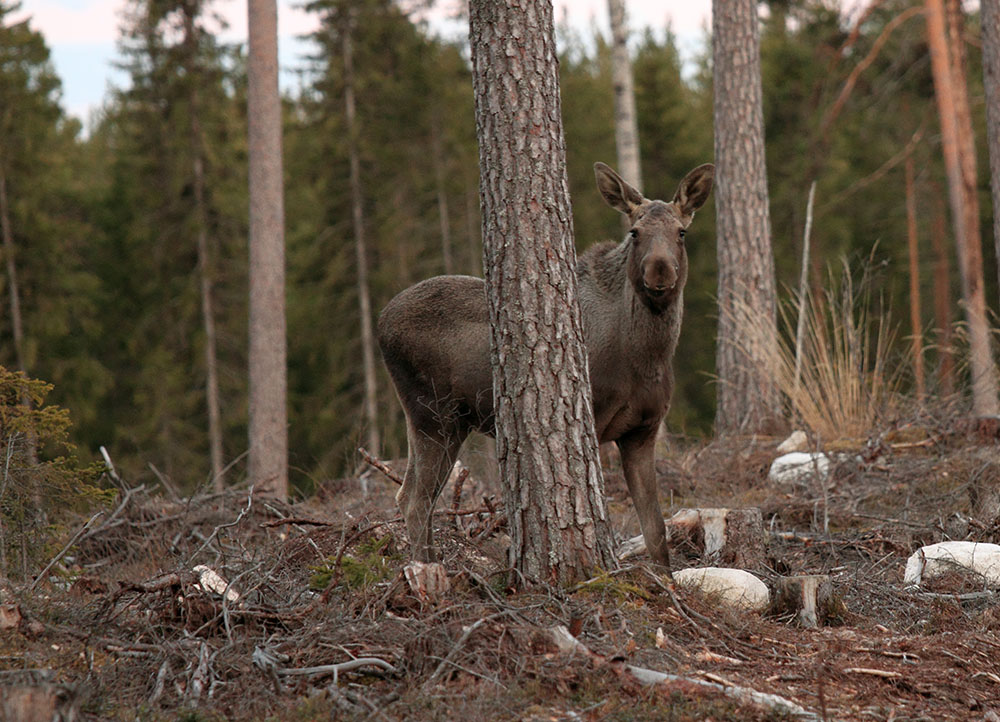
[
  {"x": 37, "y": 703},
  {"x": 717, "y": 537},
  {"x": 428, "y": 581},
  {"x": 810, "y": 596}
]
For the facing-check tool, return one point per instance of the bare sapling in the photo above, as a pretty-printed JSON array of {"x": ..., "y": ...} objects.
[{"x": 435, "y": 341}]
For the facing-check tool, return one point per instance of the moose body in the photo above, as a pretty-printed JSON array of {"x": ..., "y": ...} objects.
[{"x": 435, "y": 340}]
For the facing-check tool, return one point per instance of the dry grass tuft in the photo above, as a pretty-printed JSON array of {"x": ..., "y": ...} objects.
[{"x": 844, "y": 383}]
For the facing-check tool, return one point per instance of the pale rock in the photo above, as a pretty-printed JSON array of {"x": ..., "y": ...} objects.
[
  {"x": 733, "y": 587},
  {"x": 797, "y": 441},
  {"x": 936, "y": 559},
  {"x": 799, "y": 467}
]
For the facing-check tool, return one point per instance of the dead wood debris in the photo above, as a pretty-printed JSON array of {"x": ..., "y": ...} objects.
[{"x": 136, "y": 628}]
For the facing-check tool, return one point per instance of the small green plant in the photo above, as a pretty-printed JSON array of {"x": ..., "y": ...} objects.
[
  {"x": 370, "y": 566},
  {"x": 39, "y": 483}
]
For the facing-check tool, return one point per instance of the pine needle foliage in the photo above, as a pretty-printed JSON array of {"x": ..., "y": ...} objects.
[{"x": 40, "y": 484}]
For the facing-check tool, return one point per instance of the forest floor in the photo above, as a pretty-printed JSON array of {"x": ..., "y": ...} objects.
[{"x": 121, "y": 629}]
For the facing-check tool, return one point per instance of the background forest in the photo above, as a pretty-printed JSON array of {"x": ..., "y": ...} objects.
[{"x": 125, "y": 248}]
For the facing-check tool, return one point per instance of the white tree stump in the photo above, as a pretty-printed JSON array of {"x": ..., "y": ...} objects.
[
  {"x": 429, "y": 582},
  {"x": 810, "y": 596}
]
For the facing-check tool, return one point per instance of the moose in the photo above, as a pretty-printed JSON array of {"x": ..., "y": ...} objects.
[{"x": 435, "y": 341}]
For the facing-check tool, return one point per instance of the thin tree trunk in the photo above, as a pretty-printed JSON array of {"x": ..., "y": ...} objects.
[
  {"x": 626, "y": 122},
  {"x": 747, "y": 397},
  {"x": 361, "y": 252},
  {"x": 437, "y": 151},
  {"x": 956, "y": 141},
  {"x": 916, "y": 326},
  {"x": 13, "y": 290},
  {"x": 268, "y": 415},
  {"x": 942, "y": 300},
  {"x": 204, "y": 268},
  {"x": 800, "y": 325},
  {"x": 472, "y": 235},
  {"x": 990, "y": 21},
  {"x": 546, "y": 443}
]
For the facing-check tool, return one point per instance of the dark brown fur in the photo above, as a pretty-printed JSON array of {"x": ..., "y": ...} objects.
[{"x": 435, "y": 341}]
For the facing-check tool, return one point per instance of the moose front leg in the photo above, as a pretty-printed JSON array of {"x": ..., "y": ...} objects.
[{"x": 637, "y": 450}]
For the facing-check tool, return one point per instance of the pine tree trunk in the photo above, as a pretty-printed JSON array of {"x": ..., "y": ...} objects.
[
  {"x": 916, "y": 327},
  {"x": 361, "y": 251},
  {"x": 204, "y": 265},
  {"x": 546, "y": 444},
  {"x": 268, "y": 416},
  {"x": 957, "y": 145},
  {"x": 747, "y": 399},
  {"x": 626, "y": 122},
  {"x": 990, "y": 21}
]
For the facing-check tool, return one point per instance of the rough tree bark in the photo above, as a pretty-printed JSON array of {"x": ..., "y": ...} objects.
[
  {"x": 546, "y": 444},
  {"x": 747, "y": 398},
  {"x": 626, "y": 118},
  {"x": 960, "y": 164},
  {"x": 204, "y": 262},
  {"x": 268, "y": 425},
  {"x": 360, "y": 247},
  {"x": 990, "y": 21}
]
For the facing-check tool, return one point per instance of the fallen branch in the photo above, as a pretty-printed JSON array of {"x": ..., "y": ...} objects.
[
  {"x": 294, "y": 520},
  {"x": 380, "y": 465},
  {"x": 336, "y": 669},
  {"x": 874, "y": 672},
  {"x": 69, "y": 544},
  {"x": 567, "y": 643}
]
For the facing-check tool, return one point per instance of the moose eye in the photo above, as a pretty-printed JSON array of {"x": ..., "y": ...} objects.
[
  {"x": 634, "y": 234},
  {"x": 683, "y": 233}
]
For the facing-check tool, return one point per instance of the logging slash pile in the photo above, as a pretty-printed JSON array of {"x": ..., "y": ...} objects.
[{"x": 231, "y": 606}]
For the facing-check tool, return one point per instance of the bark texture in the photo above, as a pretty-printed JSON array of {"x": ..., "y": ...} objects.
[
  {"x": 268, "y": 424},
  {"x": 747, "y": 399},
  {"x": 990, "y": 21},
  {"x": 360, "y": 251},
  {"x": 626, "y": 118},
  {"x": 960, "y": 163},
  {"x": 546, "y": 444}
]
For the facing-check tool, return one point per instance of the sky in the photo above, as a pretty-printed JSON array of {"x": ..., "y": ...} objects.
[{"x": 82, "y": 35}]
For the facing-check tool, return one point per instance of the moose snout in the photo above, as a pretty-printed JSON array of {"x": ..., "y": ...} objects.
[{"x": 660, "y": 275}]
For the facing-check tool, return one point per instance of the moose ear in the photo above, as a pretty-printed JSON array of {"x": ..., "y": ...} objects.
[
  {"x": 694, "y": 189},
  {"x": 617, "y": 193}
]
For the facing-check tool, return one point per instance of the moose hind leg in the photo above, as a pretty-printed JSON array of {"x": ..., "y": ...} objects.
[
  {"x": 431, "y": 458},
  {"x": 640, "y": 475}
]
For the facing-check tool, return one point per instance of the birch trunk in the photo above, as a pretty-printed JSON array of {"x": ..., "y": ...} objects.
[{"x": 626, "y": 123}]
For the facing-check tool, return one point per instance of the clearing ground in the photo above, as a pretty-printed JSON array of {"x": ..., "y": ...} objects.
[{"x": 121, "y": 629}]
